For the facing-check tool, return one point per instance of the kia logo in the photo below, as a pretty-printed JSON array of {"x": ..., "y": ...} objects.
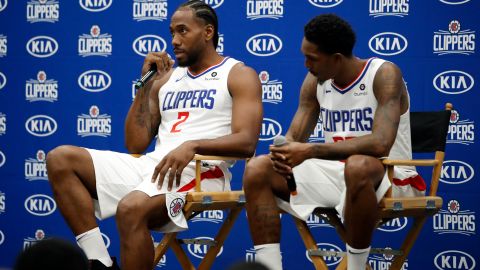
[
  {"x": 456, "y": 172},
  {"x": 2, "y": 237},
  {"x": 42, "y": 46},
  {"x": 454, "y": 2},
  {"x": 329, "y": 260},
  {"x": 394, "y": 225},
  {"x": 270, "y": 129},
  {"x": 94, "y": 80},
  {"x": 198, "y": 250},
  {"x": 41, "y": 125},
  {"x": 264, "y": 45},
  {"x": 148, "y": 43},
  {"x": 454, "y": 259},
  {"x": 214, "y": 3},
  {"x": 95, "y": 5},
  {"x": 325, "y": 4},
  {"x": 40, "y": 205},
  {"x": 3, "y": 80},
  {"x": 388, "y": 43},
  {"x": 3, "y": 4},
  {"x": 2, "y": 158},
  {"x": 453, "y": 82}
]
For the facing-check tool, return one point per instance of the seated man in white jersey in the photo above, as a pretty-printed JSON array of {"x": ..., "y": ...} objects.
[
  {"x": 208, "y": 105},
  {"x": 363, "y": 105}
]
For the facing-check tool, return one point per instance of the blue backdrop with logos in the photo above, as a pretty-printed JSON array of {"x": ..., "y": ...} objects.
[{"x": 66, "y": 77}]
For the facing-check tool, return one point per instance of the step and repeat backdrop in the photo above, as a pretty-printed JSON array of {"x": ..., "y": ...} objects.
[{"x": 67, "y": 70}]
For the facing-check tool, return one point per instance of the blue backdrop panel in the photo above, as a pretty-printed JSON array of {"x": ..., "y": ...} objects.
[{"x": 66, "y": 73}]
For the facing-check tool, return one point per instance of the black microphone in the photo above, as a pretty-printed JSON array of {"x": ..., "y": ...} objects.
[
  {"x": 140, "y": 83},
  {"x": 292, "y": 186}
]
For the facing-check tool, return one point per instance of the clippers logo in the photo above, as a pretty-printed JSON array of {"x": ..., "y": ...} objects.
[
  {"x": 315, "y": 221},
  {"x": 2, "y": 159},
  {"x": 3, "y": 4},
  {"x": 95, "y": 44},
  {"x": 2, "y": 202},
  {"x": 148, "y": 43},
  {"x": 272, "y": 90},
  {"x": 36, "y": 168},
  {"x": 95, "y": 5},
  {"x": 377, "y": 262},
  {"x": 454, "y": 259},
  {"x": 41, "y": 89},
  {"x": 213, "y": 216},
  {"x": 43, "y": 11},
  {"x": 199, "y": 250},
  {"x": 30, "y": 241},
  {"x": 221, "y": 41},
  {"x": 42, "y": 46},
  {"x": 456, "y": 172},
  {"x": 94, "y": 123},
  {"x": 317, "y": 134},
  {"x": 379, "y": 8},
  {"x": 394, "y": 225},
  {"x": 3, "y": 45},
  {"x": 41, "y": 125},
  {"x": 460, "y": 132},
  {"x": 329, "y": 260},
  {"x": 453, "y": 82},
  {"x": 454, "y": 41},
  {"x": 3, "y": 80},
  {"x": 214, "y": 3},
  {"x": 2, "y": 238},
  {"x": 325, "y": 3},
  {"x": 264, "y": 45},
  {"x": 264, "y": 9},
  {"x": 454, "y": 220},
  {"x": 454, "y": 2},
  {"x": 155, "y": 10},
  {"x": 3, "y": 123},
  {"x": 176, "y": 207},
  {"x": 250, "y": 255},
  {"x": 40, "y": 205},
  {"x": 270, "y": 129},
  {"x": 94, "y": 81},
  {"x": 388, "y": 43}
]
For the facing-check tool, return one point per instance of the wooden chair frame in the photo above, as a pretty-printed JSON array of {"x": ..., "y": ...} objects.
[
  {"x": 418, "y": 208},
  {"x": 197, "y": 201}
]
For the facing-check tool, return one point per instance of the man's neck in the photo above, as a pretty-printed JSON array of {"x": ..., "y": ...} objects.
[
  {"x": 208, "y": 59},
  {"x": 349, "y": 71}
]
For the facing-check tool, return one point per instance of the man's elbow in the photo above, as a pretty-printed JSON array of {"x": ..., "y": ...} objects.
[{"x": 381, "y": 149}]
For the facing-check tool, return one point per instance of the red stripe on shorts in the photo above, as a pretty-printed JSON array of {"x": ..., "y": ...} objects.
[
  {"x": 415, "y": 181},
  {"x": 210, "y": 174}
]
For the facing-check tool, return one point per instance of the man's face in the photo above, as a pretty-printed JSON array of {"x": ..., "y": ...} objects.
[
  {"x": 320, "y": 64},
  {"x": 188, "y": 39}
]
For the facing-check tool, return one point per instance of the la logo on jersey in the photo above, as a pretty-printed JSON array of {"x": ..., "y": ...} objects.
[
  {"x": 454, "y": 221},
  {"x": 272, "y": 90},
  {"x": 380, "y": 8},
  {"x": 156, "y": 10},
  {"x": 43, "y": 11},
  {"x": 94, "y": 123},
  {"x": 3, "y": 124},
  {"x": 460, "y": 131},
  {"x": 3, "y": 45},
  {"x": 95, "y": 43},
  {"x": 41, "y": 89},
  {"x": 30, "y": 241},
  {"x": 454, "y": 41},
  {"x": 264, "y": 9},
  {"x": 36, "y": 168}
]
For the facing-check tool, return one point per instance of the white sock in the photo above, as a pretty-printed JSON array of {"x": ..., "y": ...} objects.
[
  {"x": 357, "y": 258},
  {"x": 269, "y": 255},
  {"x": 91, "y": 242}
]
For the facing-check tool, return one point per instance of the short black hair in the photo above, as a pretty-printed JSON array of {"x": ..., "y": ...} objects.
[
  {"x": 331, "y": 34},
  {"x": 206, "y": 13}
]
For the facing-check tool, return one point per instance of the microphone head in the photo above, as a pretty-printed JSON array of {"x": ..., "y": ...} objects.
[
  {"x": 279, "y": 140},
  {"x": 153, "y": 67}
]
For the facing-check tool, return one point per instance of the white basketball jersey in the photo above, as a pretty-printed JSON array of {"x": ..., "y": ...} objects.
[
  {"x": 348, "y": 112},
  {"x": 194, "y": 107}
]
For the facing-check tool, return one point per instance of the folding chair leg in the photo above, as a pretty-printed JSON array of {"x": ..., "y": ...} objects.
[
  {"x": 181, "y": 256},
  {"x": 407, "y": 245},
  {"x": 309, "y": 243},
  {"x": 212, "y": 252},
  {"x": 162, "y": 247},
  {"x": 342, "y": 265}
]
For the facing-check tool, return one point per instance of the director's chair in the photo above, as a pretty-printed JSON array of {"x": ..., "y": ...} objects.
[
  {"x": 429, "y": 132},
  {"x": 195, "y": 202}
]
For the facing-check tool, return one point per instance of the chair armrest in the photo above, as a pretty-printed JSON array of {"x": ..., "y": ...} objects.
[{"x": 409, "y": 162}]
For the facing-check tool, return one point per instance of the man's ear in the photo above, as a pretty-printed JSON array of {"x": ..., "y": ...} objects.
[{"x": 209, "y": 32}]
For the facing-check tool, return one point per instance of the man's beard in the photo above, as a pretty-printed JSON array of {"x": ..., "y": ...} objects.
[{"x": 189, "y": 60}]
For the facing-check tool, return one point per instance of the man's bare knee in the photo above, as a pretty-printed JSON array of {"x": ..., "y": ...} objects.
[
  {"x": 363, "y": 172},
  {"x": 130, "y": 210},
  {"x": 257, "y": 172}
]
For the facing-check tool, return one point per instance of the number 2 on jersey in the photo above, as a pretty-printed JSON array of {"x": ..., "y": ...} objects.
[{"x": 182, "y": 116}]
